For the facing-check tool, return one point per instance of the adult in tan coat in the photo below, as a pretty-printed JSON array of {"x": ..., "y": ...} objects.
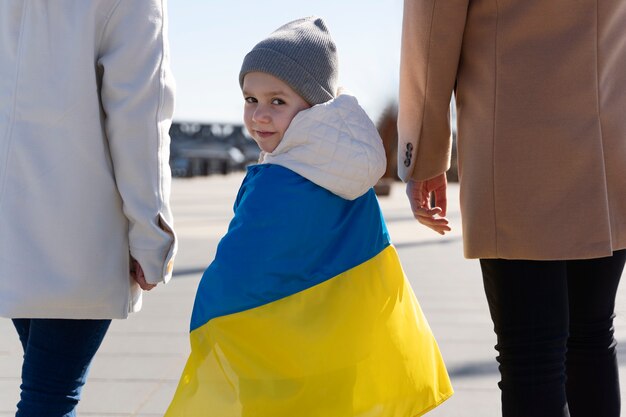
[
  {"x": 86, "y": 100},
  {"x": 540, "y": 88}
]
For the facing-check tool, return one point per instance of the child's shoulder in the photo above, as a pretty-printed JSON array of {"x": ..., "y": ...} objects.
[
  {"x": 280, "y": 187},
  {"x": 273, "y": 178},
  {"x": 275, "y": 185}
]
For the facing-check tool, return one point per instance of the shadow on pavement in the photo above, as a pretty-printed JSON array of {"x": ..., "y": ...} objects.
[
  {"x": 403, "y": 245},
  {"x": 179, "y": 273},
  {"x": 477, "y": 369},
  {"x": 471, "y": 370}
]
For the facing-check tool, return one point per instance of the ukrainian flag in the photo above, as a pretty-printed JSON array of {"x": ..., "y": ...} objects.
[{"x": 306, "y": 311}]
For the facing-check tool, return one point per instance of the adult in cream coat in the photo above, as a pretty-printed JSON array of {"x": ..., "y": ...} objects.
[
  {"x": 86, "y": 104},
  {"x": 540, "y": 88}
]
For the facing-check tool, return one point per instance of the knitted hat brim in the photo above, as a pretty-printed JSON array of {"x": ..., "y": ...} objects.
[{"x": 282, "y": 67}]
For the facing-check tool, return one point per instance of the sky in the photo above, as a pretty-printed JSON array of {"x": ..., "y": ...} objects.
[{"x": 209, "y": 38}]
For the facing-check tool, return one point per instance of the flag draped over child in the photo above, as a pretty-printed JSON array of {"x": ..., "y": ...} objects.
[{"x": 306, "y": 311}]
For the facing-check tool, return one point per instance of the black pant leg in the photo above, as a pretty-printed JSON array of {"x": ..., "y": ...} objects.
[
  {"x": 529, "y": 308},
  {"x": 592, "y": 372}
]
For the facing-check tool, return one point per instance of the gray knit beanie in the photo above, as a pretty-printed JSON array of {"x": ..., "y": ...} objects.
[{"x": 300, "y": 53}]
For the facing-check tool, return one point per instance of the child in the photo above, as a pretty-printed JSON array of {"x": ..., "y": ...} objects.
[{"x": 305, "y": 310}]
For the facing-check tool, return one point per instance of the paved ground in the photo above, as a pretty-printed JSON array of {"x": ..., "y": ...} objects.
[{"x": 137, "y": 368}]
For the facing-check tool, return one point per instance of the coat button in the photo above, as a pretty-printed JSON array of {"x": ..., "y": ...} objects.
[{"x": 407, "y": 154}]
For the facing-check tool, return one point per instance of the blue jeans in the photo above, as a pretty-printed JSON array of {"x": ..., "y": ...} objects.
[
  {"x": 57, "y": 356},
  {"x": 554, "y": 322}
]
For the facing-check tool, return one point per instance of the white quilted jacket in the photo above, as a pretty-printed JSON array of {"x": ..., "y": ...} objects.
[{"x": 334, "y": 145}]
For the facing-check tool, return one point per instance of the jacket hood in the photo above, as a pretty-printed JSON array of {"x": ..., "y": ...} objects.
[{"x": 334, "y": 145}]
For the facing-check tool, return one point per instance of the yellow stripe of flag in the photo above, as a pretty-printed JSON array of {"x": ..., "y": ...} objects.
[{"x": 355, "y": 345}]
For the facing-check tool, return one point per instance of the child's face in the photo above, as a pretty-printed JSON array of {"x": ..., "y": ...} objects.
[{"x": 270, "y": 106}]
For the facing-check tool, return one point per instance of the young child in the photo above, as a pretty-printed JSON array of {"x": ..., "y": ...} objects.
[{"x": 306, "y": 310}]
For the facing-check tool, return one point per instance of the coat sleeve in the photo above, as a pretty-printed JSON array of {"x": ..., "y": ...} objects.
[
  {"x": 432, "y": 35},
  {"x": 137, "y": 95}
]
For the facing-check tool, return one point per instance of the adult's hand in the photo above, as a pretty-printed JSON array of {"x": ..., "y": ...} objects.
[
  {"x": 137, "y": 273},
  {"x": 420, "y": 195}
]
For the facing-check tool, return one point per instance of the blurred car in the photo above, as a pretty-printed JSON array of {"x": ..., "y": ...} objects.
[
  {"x": 205, "y": 149},
  {"x": 244, "y": 142}
]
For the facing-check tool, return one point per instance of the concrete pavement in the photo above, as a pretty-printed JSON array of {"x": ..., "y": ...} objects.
[{"x": 137, "y": 368}]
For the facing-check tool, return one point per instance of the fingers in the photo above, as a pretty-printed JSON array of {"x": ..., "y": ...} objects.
[
  {"x": 137, "y": 274},
  {"x": 146, "y": 286},
  {"x": 441, "y": 200},
  {"x": 432, "y": 218},
  {"x": 421, "y": 194}
]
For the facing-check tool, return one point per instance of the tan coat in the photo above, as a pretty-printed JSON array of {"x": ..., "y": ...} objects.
[{"x": 541, "y": 97}]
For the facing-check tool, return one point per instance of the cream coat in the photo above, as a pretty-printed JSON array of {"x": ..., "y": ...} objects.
[
  {"x": 541, "y": 97},
  {"x": 85, "y": 109}
]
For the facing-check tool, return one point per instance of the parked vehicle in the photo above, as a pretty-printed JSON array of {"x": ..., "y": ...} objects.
[
  {"x": 244, "y": 142},
  {"x": 205, "y": 149}
]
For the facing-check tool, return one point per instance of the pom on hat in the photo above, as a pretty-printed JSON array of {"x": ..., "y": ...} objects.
[{"x": 300, "y": 53}]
